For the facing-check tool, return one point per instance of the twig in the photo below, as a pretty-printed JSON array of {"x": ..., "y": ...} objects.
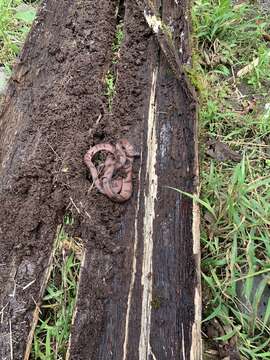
[
  {"x": 53, "y": 150},
  {"x": 88, "y": 215},
  {"x": 78, "y": 210},
  {"x": 27, "y": 286},
  {"x": 37, "y": 305},
  {"x": 96, "y": 124}
]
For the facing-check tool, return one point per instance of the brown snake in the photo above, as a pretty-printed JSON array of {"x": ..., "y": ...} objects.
[{"x": 120, "y": 158}]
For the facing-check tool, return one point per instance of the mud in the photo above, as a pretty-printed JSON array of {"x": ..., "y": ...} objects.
[{"x": 49, "y": 120}]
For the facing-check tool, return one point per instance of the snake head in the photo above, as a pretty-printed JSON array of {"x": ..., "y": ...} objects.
[{"x": 129, "y": 148}]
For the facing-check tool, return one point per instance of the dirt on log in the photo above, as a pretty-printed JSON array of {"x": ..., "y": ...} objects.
[{"x": 139, "y": 291}]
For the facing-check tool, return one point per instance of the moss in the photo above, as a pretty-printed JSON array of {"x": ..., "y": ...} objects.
[{"x": 156, "y": 302}]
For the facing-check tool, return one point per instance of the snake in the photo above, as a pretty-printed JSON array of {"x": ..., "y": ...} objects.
[{"x": 119, "y": 158}]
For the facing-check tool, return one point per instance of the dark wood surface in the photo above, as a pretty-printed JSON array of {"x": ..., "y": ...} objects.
[
  {"x": 139, "y": 292},
  {"x": 51, "y": 103},
  {"x": 153, "y": 307}
]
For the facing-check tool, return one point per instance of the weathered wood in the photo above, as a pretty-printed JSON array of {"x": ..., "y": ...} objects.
[
  {"x": 54, "y": 98},
  {"x": 150, "y": 307}
]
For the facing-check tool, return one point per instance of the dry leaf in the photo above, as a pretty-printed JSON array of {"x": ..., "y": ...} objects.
[
  {"x": 266, "y": 37},
  {"x": 248, "y": 68},
  {"x": 221, "y": 152},
  {"x": 248, "y": 108}
]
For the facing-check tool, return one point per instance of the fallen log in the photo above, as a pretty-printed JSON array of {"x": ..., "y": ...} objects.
[
  {"x": 152, "y": 306},
  {"x": 139, "y": 291},
  {"x": 54, "y": 99}
]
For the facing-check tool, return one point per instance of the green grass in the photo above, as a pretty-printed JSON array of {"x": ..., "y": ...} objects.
[
  {"x": 235, "y": 197},
  {"x": 16, "y": 18},
  {"x": 110, "y": 79},
  {"x": 110, "y": 82},
  {"x": 53, "y": 329},
  {"x": 118, "y": 40}
]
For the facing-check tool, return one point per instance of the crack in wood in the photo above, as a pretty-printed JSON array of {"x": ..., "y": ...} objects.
[
  {"x": 150, "y": 195},
  {"x": 134, "y": 266}
]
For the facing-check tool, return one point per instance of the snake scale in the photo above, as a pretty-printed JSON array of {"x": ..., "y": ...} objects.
[{"x": 119, "y": 160}]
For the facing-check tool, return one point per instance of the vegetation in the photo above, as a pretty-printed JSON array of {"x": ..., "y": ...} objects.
[
  {"x": 118, "y": 40},
  {"x": 231, "y": 73},
  {"x": 53, "y": 329},
  {"x": 110, "y": 79},
  {"x": 16, "y": 18}
]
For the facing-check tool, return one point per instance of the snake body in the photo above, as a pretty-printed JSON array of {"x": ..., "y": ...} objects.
[{"x": 120, "y": 158}]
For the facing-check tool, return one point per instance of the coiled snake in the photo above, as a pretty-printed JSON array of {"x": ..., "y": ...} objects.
[{"x": 119, "y": 159}]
